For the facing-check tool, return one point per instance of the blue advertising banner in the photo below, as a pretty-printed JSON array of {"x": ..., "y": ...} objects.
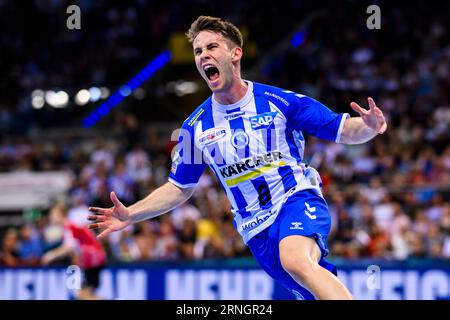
[{"x": 236, "y": 279}]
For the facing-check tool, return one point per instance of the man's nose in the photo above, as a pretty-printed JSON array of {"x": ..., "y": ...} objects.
[{"x": 204, "y": 55}]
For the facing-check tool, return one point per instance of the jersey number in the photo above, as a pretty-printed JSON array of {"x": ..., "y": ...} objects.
[{"x": 263, "y": 195}]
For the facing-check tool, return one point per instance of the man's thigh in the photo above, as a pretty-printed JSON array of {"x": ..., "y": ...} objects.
[{"x": 304, "y": 223}]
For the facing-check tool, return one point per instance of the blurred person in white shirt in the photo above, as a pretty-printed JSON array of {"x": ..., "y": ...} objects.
[
  {"x": 102, "y": 153},
  {"x": 138, "y": 165},
  {"x": 79, "y": 211}
]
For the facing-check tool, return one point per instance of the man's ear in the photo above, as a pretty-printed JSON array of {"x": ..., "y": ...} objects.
[{"x": 236, "y": 54}]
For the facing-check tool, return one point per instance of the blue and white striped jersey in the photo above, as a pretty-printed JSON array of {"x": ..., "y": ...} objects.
[{"x": 255, "y": 147}]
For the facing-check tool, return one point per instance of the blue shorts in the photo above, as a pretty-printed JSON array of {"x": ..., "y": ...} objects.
[{"x": 305, "y": 213}]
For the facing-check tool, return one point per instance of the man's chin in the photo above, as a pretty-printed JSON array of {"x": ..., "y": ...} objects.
[{"x": 214, "y": 86}]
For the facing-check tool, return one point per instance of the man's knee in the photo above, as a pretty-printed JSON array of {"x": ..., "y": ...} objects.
[
  {"x": 300, "y": 257},
  {"x": 301, "y": 266}
]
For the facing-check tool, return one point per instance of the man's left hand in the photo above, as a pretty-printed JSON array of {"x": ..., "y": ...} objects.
[{"x": 373, "y": 117}]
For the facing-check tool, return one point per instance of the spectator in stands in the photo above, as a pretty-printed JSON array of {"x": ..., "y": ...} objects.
[
  {"x": 30, "y": 245},
  {"x": 9, "y": 254}
]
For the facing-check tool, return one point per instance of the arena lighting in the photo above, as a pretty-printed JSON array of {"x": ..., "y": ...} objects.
[
  {"x": 61, "y": 99},
  {"x": 104, "y": 92},
  {"x": 37, "y": 99},
  {"x": 37, "y": 102},
  {"x": 95, "y": 94},
  {"x": 82, "y": 97},
  {"x": 298, "y": 39},
  {"x": 50, "y": 97},
  {"x": 125, "y": 90},
  {"x": 56, "y": 99},
  {"x": 182, "y": 87},
  {"x": 37, "y": 93}
]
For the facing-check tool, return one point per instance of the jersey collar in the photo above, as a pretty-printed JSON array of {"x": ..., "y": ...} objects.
[{"x": 241, "y": 103}]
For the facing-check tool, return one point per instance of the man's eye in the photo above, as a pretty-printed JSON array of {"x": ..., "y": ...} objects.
[{"x": 197, "y": 52}]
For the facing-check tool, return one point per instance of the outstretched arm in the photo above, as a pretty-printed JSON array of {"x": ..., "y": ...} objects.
[
  {"x": 362, "y": 129},
  {"x": 56, "y": 253},
  {"x": 163, "y": 199}
]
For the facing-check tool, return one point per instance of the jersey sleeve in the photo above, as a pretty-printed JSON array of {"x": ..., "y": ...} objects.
[
  {"x": 312, "y": 117},
  {"x": 187, "y": 160}
]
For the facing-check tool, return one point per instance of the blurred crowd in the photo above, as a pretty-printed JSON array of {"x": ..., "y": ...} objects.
[
  {"x": 199, "y": 228},
  {"x": 389, "y": 198},
  {"x": 115, "y": 41},
  {"x": 382, "y": 205}
]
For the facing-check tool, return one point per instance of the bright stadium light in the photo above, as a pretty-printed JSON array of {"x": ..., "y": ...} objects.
[
  {"x": 125, "y": 90},
  {"x": 182, "y": 87},
  {"x": 37, "y": 93},
  {"x": 104, "y": 92},
  {"x": 82, "y": 97},
  {"x": 50, "y": 97},
  {"x": 61, "y": 99},
  {"x": 37, "y": 102},
  {"x": 38, "y": 98},
  {"x": 95, "y": 94},
  {"x": 298, "y": 39}
]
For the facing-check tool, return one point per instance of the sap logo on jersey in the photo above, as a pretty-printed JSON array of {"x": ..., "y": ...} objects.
[
  {"x": 262, "y": 120},
  {"x": 211, "y": 135}
]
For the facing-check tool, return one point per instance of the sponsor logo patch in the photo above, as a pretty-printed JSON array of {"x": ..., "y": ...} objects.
[
  {"x": 263, "y": 120},
  {"x": 249, "y": 168},
  {"x": 234, "y": 115},
  {"x": 195, "y": 117},
  {"x": 277, "y": 97},
  {"x": 296, "y": 226},
  {"x": 211, "y": 136},
  {"x": 239, "y": 139},
  {"x": 257, "y": 221},
  {"x": 250, "y": 164}
]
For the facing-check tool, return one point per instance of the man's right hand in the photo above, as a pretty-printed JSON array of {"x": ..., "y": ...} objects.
[{"x": 111, "y": 219}]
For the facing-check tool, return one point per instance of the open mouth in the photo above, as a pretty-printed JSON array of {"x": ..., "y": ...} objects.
[{"x": 211, "y": 72}]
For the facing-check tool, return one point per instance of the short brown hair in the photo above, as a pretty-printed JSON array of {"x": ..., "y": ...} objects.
[{"x": 206, "y": 23}]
